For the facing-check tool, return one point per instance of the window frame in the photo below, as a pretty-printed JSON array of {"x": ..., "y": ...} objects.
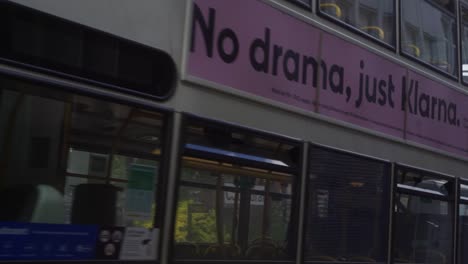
[
  {"x": 302, "y": 4},
  {"x": 390, "y": 46},
  {"x": 101, "y": 94},
  {"x": 295, "y": 192},
  {"x": 388, "y": 171},
  {"x": 423, "y": 63}
]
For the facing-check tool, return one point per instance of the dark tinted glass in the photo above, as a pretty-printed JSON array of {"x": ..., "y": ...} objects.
[
  {"x": 375, "y": 18},
  {"x": 348, "y": 215},
  {"x": 423, "y": 217},
  {"x": 39, "y": 39},
  {"x": 236, "y": 195},
  {"x": 428, "y": 33},
  {"x": 69, "y": 160},
  {"x": 463, "y": 224}
]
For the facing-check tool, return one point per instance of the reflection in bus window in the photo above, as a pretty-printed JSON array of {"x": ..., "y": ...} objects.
[
  {"x": 464, "y": 39},
  {"x": 423, "y": 221},
  {"x": 98, "y": 160},
  {"x": 235, "y": 197},
  {"x": 375, "y": 18},
  {"x": 429, "y": 33},
  {"x": 347, "y": 216}
]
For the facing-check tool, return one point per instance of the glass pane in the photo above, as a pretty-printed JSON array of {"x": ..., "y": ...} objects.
[
  {"x": 375, "y": 18},
  {"x": 464, "y": 39},
  {"x": 463, "y": 224},
  {"x": 429, "y": 33},
  {"x": 226, "y": 212},
  {"x": 420, "y": 181},
  {"x": 423, "y": 230},
  {"x": 348, "y": 218},
  {"x": 74, "y": 163}
]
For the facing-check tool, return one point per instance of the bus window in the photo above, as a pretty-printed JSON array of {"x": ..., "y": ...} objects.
[
  {"x": 347, "y": 215},
  {"x": 463, "y": 224},
  {"x": 374, "y": 18},
  {"x": 464, "y": 39},
  {"x": 236, "y": 195},
  {"x": 423, "y": 217},
  {"x": 428, "y": 33},
  {"x": 72, "y": 163}
]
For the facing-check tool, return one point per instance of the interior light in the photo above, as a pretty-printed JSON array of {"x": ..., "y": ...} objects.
[{"x": 356, "y": 184}]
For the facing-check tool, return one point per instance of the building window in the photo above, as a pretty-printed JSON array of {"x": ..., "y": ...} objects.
[
  {"x": 374, "y": 18},
  {"x": 423, "y": 217},
  {"x": 347, "y": 212},
  {"x": 428, "y": 33}
]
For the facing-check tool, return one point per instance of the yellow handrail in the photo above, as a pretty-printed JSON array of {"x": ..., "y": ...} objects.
[
  {"x": 335, "y": 6},
  {"x": 417, "y": 50},
  {"x": 379, "y": 30}
]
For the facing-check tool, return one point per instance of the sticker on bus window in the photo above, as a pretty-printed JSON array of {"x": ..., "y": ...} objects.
[{"x": 34, "y": 241}]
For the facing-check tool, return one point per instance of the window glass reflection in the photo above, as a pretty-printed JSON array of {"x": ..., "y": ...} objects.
[
  {"x": 222, "y": 215},
  {"x": 423, "y": 217},
  {"x": 70, "y": 160},
  {"x": 235, "y": 194},
  {"x": 375, "y": 18},
  {"x": 429, "y": 33},
  {"x": 464, "y": 39}
]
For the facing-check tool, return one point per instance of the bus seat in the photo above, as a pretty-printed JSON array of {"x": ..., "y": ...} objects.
[
  {"x": 429, "y": 256},
  {"x": 361, "y": 259},
  {"x": 50, "y": 207},
  {"x": 94, "y": 203},
  {"x": 442, "y": 64},
  {"x": 186, "y": 250},
  {"x": 334, "y": 8},
  {"x": 222, "y": 251},
  {"x": 261, "y": 251},
  {"x": 321, "y": 258},
  {"x": 32, "y": 203},
  {"x": 379, "y": 32}
]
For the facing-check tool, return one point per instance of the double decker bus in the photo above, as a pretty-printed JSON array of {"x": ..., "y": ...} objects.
[{"x": 249, "y": 131}]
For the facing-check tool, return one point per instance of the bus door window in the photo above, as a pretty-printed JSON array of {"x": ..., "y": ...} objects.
[
  {"x": 236, "y": 193},
  {"x": 423, "y": 217},
  {"x": 347, "y": 215}
]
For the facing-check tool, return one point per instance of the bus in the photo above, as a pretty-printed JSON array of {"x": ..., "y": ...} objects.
[{"x": 248, "y": 131}]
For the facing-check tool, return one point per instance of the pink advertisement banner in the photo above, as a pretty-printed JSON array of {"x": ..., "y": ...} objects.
[{"x": 253, "y": 47}]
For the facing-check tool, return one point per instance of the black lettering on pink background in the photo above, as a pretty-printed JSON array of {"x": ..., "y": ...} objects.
[{"x": 279, "y": 57}]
